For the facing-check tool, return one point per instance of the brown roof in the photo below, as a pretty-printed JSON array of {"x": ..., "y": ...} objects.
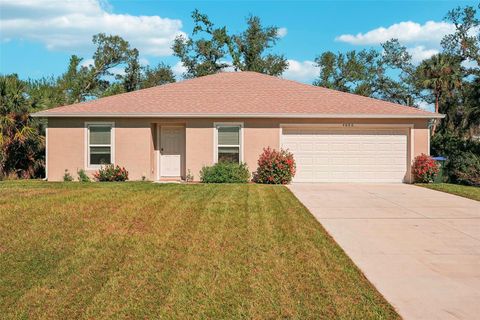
[{"x": 237, "y": 94}]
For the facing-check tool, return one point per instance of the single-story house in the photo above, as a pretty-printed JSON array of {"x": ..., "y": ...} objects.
[{"x": 164, "y": 132}]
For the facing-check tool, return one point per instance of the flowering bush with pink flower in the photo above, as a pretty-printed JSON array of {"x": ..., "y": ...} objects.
[
  {"x": 425, "y": 169},
  {"x": 111, "y": 173},
  {"x": 275, "y": 167}
]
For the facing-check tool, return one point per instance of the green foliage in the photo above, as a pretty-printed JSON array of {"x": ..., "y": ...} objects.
[
  {"x": 82, "y": 176},
  {"x": 463, "y": 157},
  {"x": 464, "y": 41},
  {"x": 203, "y": 52},
  {"x": 247, "y": 49},
  {"x": 133, "y": 73},
  {"x": 156, "y": 76},
  {"x": 110, "y": 173},
  {"x": 464, "y": 168},
  {"x": 21, "y": 143},
  {"x": 365, "y": 73},
  {"x": 441, "y": 74},
  {"x": 353, "y": 71},
  {"x": 225, "y": 172},
  {"x": 207, "y": 49},
  {"x": 67, "y": 177}
]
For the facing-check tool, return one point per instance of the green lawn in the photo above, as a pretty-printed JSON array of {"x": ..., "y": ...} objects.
[
  {"x": 150, "y": 251},
  {"x": 459, "y": 190}
]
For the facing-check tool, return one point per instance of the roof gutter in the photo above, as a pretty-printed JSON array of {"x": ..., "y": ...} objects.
[{"x": 235, "y": 115}]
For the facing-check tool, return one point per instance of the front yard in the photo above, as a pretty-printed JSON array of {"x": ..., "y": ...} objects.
[{"x": 149, "y": 251}]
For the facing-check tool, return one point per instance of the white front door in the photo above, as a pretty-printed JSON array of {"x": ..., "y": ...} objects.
[{"x": 171, "y": 151}]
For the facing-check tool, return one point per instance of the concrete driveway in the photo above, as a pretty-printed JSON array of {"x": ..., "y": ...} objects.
[{"x": 419, "y": 247}]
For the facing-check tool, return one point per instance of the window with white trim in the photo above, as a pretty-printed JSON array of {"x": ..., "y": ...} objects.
[
  {"x": 229, "y": 140},
  {"x": 99, "y": 144}
]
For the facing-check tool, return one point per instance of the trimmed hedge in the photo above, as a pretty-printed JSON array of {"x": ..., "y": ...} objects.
[{"x": 225, "y": 172}]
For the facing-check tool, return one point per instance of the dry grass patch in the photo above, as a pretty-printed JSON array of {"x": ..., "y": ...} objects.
[{"x": 141, "y": 250}]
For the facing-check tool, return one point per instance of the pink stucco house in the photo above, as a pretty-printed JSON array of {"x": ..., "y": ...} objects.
[{"x": 164, "y": 132}]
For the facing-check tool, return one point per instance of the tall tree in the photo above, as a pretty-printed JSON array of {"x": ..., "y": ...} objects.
[
  {"x": 156, "y": 76},
  {"x": 441, "y": 74},
  {"x": 21, "y": 145},
  {"x": 353, "y": 71},
  {"x": 464, "y": 42},
  {"x": 133, "y": 73},
  {"x": 82, "y": 82},
  {"x": 471, "y": 119},
  {"x": 205, "y": 51},
  {"x": 362, "y": 72},
  {"x": 248, "y": 49}
]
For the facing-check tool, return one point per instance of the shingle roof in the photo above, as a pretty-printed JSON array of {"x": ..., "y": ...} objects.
[{"x": 237, "y": 94}]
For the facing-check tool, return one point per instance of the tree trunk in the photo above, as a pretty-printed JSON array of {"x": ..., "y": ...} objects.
[{"x": 434, "y": 126}]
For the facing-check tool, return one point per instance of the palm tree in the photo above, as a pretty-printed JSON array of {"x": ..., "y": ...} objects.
[
  {"x": 442, "y": 75},
  {"x": 21, "y": 145}
]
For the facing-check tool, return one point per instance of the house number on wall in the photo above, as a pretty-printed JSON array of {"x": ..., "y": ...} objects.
[{"x": 348, "y": 124}]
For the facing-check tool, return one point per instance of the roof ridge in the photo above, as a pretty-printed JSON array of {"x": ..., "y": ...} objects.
[{"x": 247, "y": 92}]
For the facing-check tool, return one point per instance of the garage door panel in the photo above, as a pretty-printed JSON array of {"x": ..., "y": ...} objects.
[{"x": 327, "y": 155}]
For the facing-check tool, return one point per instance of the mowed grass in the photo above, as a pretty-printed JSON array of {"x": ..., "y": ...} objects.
[
  {"x": 149, "y": 251},
  {"x": 459, "y": 190}
]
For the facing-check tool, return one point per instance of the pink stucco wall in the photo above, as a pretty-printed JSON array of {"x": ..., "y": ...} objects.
[{"x": 136, "y": 145}]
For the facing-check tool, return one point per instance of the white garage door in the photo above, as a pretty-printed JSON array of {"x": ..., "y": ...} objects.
[{"x": 347, "y": 155}]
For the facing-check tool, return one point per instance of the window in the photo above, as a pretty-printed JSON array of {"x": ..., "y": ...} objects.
[
  {"x": 99, "y": 144},
  {"x": 228, "y": 142}
]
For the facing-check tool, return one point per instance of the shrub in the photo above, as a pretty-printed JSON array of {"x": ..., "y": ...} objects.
[
  {"x": 424, "y": 168},
  {"x": 110, "y": 173},
  {"x": 82, "y": 176},
  {"x": 225, "y": 172},
  {"x": 464, "y": 168},
  {"x": 463, "y": 158},
  {"x": 189, "y": 176},
  {"x": 275, "y": 167},
  {"x": 67, "y": 176}
]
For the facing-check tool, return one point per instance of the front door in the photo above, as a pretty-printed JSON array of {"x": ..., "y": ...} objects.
[{"x": 171, "y": 150}]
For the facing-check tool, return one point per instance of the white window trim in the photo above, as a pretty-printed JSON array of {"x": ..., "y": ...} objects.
[
  {"x": 89, "y": 166},
  {"x": 217, "y": 125}
]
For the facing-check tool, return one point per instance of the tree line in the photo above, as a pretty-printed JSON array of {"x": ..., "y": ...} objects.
[{"x": 448, "y": 80}]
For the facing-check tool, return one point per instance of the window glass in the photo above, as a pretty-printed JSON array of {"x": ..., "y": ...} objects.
[
  {"x": 99, "y": 148},
  {"x": 228, "y": 143},
  {"x": 228, "y": 136},
  {"x": 100, "y": 155},
  {"x": 100, "y": 135},
  {"x": 228, "y": 154}
]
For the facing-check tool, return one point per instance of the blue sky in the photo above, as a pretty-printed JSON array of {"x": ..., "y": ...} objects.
[{"x": 38, "y": 36}]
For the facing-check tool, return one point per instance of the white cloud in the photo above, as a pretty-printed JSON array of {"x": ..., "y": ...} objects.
[
  {"x": 420, "y": 53},
  {"x": 117, "y": 71},
  {"x": 87, "y": 63},
  {"x": 426, "y": 106},
  {"x": 405, "y": 32},
  {"x": 70, "y": 24},
  {"x": 282, "y": 32},
  {"x": 303, "y": 71},
  {"x": 143, "y": 62},
  {"x": 179, "y": 69}
]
